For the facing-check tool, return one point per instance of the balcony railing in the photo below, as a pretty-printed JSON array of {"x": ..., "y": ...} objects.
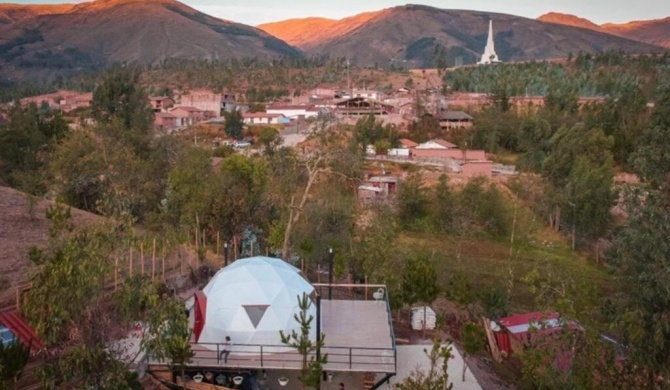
[{"x": 250, "y": 356}]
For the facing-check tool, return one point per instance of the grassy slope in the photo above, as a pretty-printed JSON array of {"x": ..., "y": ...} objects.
[
  {"x": 487, "y": 263},
  {"x": 543, "y": 266}
]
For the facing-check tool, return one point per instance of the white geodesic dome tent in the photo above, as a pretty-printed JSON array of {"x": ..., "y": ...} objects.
[{"x": 251, "y": 300}]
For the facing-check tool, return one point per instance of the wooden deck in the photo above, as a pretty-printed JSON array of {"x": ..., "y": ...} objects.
[
  {"x": 358, "y": 339},
  {"x": 363, "y": 328}
]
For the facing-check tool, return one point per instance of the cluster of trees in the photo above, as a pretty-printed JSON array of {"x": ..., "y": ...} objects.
[
  {"x": 266, "y": 78},
  {"x": 479, "y": 207},
  {"x": 369, "y": 131},
  {"x": 604, "y": 74},
  {"x": 575, "y": 150},
  {"x": 80, "y": 318},
  {"x": 635, "y": 313},
  {"x": 27, "y": 139}
]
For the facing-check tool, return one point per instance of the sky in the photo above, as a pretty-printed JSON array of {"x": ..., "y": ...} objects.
[{"x": 254, "y": 12}]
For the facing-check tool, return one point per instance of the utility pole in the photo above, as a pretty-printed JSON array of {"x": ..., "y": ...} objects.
[
  {"x": 349, "y": 78},
  {"x": 331, "y": 257},
  {"x": 225, "y": 253},
  {"x": 318, "y": 333}
]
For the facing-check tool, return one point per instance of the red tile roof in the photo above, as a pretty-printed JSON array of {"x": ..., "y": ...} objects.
[
  {"x": 408, "y": 143},
  {"x": 444, "y": 143},
  {"x": 187, "y": 109},
  {"x": 20, "y": 328}
]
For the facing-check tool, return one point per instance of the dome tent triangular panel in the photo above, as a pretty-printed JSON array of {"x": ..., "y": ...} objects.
[{"x": 260, "y": 282}]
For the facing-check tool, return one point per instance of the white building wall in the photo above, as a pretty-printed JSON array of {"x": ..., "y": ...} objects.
[
  {"x": 399, "y": 152},
  {"x": 293, "y": 113}
]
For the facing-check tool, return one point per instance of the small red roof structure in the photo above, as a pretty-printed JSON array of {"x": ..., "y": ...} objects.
[
  {"x": 13, "y": 321},
  {"x": 187, "y": 109},
  {"x": 519, "y": 330},
  {"x": 408, "y": 143},
  {"x": 444, "y": 143},
  {"x": 519, "y": 325}
]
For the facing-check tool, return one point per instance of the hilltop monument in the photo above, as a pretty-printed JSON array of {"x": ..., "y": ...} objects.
[{"x": 489, "y": 56}]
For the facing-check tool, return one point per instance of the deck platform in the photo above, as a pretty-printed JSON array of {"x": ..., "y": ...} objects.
[{"x": 358, "y": 339}]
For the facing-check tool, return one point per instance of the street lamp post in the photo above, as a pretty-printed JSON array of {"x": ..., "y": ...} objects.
[
  {"x": 225, "y": 253},
  {"x": 331, "y": 256}
]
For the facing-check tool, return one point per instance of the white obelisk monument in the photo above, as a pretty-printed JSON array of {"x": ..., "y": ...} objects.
[{"x": 489, "y": 55}]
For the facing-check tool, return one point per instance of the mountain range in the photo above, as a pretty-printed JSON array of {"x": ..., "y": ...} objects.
[
  {"x": 408, "y": 36},
  {"x": 103, "y": 32},
  {"x": 57, "y": 39},
  {"x": 12, "y": 13},
  {"x": 655, "y": 32}
]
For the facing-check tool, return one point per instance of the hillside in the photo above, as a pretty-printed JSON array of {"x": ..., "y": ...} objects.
[
  {"x": 309, "y": 32},
  {"x": 12, "y": 13},
  {"x": 569, "y": 20},
  {"x": 656, "y": 32},
  {"x": 408, "y": 35},
  {"x": 23, "y": 225},
  {"x": 96, "y": 34}
]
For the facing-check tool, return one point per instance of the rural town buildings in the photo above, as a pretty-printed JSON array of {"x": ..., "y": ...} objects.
[
  {"x": 468, "y": 163},
  {"x": 454, "y": 120},
  {"x": 264, "y": 118},
  {"x": 63, "y": 100},
  {"x": 188, "y": 115},
  {"x": 293, "y": 111},
  {"x": 212, "y": 103},
  {"x": 161, "y": 103}
]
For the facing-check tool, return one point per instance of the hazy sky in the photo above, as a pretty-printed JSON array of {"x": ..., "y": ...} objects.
[{"x": 254, "y": 12}]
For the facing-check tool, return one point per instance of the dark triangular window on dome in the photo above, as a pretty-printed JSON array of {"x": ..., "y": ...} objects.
[{"x": 255, "y": 313}]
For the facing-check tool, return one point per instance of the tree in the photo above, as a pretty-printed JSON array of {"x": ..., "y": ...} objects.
[
  {"x": 420, "y": 283},
  {"x": 234, "y": 126},
  {"x": 312, "y": 368},
  {"x": 500, "y": 94},
  {"x": 97, "y": 172},
  {"x": 121, "y": 99},
  {"x": 640, "y": 257},
  {"x": 270, "y": 139},
  {"x": 26, "y": 141},
  {"x": 652, "y": 159},
  {"x": 236, "y": 198},
  {"x": 412, "y": 201},
  {"x": 473, "y": 342},
  {"x": 375, "y": 250},
  {"x": 578, "y": 159},
  {"x": 168, "y": 332},
  {"x": 437, "y": 377},
  {"x": 13, "y": 358},
  {"x": 189, "y": 187},
  {"x": 369, "y": 131},
  {"x": 443, "y": 207},
  {"x": 426, "y": 128},
  {"x": 331, "y": 159},
  {"x": 69, "y": 307}
]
